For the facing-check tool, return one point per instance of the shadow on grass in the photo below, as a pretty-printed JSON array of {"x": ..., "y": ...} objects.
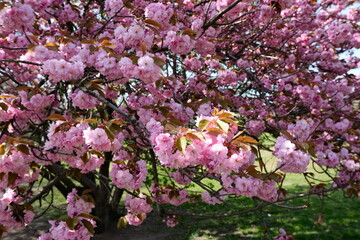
[{"x": 334, "y": 218}]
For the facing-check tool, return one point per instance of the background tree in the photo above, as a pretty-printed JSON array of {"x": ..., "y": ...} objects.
[{"x": 103, "y": 98}]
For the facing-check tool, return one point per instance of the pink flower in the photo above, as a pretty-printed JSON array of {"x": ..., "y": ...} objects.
[
  {"x": 137, "y": 205},
  {"x": 129, "y": 178},
  {"x": 113, "y": 6},
  {"x": 135, "y": 219},
  {"x": 171, "y": 221},
  {"x": 179, "y": 44},
  {"x": 255, "y": 127},
  {"x": 77, "y": 205},
  {"x": 158, "y": 12},
  {"x": 180, "y": 178},
  {"x": 83, "y": 100},
  {"x": 97, "y": 139},
  {"x": 164, "y": 142}
]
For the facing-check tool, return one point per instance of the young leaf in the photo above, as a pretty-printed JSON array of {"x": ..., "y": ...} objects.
[
  {"x": 107, "y": 43},
  {"x": 12, "y": 177},
  {"x": 23, "y": 148},
  {"x": 181, "y": 144},
  {"x": 223, "y": 125},
  {"x": 110, "y": 134},
  {"x": 55, "y": 117},
  {"x": 122, "y": 222},
  {"x": 153, "y": 22},
  {"x": 4, "y": 106},
  {"x": 88, "y": 226},
  {"x": 203, "y": 124},
  {"x": 246, "y": 139},
  {"x": 89, "y": 120},
  {"x": 72, "y": 222},
  {"x": 195, "y": 136}
]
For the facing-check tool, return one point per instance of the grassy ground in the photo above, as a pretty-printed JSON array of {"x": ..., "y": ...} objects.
[{"x": 335, "y": 218}]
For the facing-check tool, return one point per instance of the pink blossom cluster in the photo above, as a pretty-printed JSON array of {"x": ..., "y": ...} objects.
[
  {"x": 255, "y": 127},
  {"x": 179, "y": 44},
  {"x": 137, "y": 209},
  {"x": 97, "y": 139},
  {"x": 83, "y": 100},
  {"x": 60, "y": 230},
  {"x": 136, "y": 37},
  {"x": 302, "y": 129},
  {"x": 184, "y": 114},
  {"x": 171, "y": 221},
  {"x": 107, "y": 65},
  {"x": 20, "y": 15},
  {"x": 40, "y": 54},
  {"x": 131, "y": 178},
  {"x": 211, "y": 153},
  {"x": 8, "y": 114},
  {"x": 37, "y": 102},
  {"x": 72, "y": 139},
  {"x": 66, "y": 137},
  {"x": 159, "y": 12},
  {"x": 283, "y": 235},
  {"x": 165, "y": 195},
  {"x": 76, "y": 207},
  {"x": 338, "y": 127},
  {"x": 216, "y": 199},
  {"x": 7, "y": 216},
  {"x": 147, "y": 70},
  {"x": 293, "y": 161},
  {"x": 180, "y": 178},
  {"x": 227, "y": 77},
  {"x": 114, "y": 6},
  {"x": 250, "y": 187},
  {"x": 15, "y": 162},
  {"x": 63, "y": 70},
  {"x": 328, "y": 158}
]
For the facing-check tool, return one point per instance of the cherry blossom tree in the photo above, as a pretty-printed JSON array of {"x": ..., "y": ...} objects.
[{"x": 139, "y": 99}]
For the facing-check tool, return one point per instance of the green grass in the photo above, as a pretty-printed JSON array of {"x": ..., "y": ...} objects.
[{"x": 339, "y": 220}]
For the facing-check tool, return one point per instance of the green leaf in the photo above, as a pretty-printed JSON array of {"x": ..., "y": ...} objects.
[
  {"x": 55, "y": 117},
  {"x": 88, "y": 226},
  {"x": 23, "y": 148},
  {"x": 246, "y": 139},
  {"x": 223, "y": 125},
  {"x": 158, "y": 61},
  {"x": 110, "y": 134},
  {"x": 2, "y": 149},
  {"x": 12, "y": 177},
  {"x": 2, "y": 6},
  {"x": 88, "y": 215},
  {"x": 97, "y": 153},
  {"x": 2, "y": 230},
  {"x": 121, "y": 223},
  {"x": 203, "y": 124},
  {"x": 195, "y": 136},
  {"x": 85, "y": 157},
  {"x": 153, "y": 22},
  {"x": 89, "y": 120},
  {"x": 72, "y": 222},
  {"x": 181, "y": 144},
  {"x": 4, "y": 106}
]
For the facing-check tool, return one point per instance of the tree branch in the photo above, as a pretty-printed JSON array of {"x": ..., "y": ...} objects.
[{"x": 220, "y": 14}]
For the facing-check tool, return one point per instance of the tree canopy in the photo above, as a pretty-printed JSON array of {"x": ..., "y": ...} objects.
[{"x": 102, "y": 99}]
